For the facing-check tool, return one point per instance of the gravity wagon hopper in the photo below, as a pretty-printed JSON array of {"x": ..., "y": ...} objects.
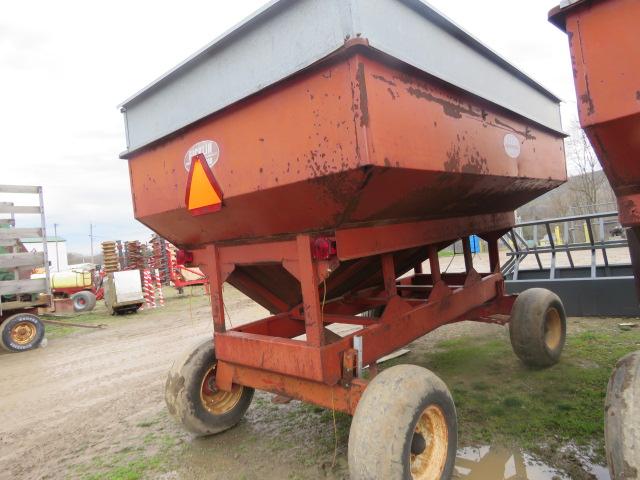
[{"x": 315, "y": 157}]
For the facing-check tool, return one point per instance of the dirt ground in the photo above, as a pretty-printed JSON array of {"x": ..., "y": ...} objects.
[
  {"x": 91, "y": 405},
  {"x": 91, "y": 395}
]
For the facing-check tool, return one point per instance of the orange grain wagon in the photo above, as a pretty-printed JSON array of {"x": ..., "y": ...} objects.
[
  {"x": 311, "y": 157},
  {"x": 605, "y": 52}
]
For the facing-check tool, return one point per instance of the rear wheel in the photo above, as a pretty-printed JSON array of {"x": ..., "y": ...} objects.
[
  {"x": 21, "y": 332},
  {"x": 538, "y": 327},
  {"x": 193, "y": 398},
  {"x": 622, "y": 419},
  {"x": 404, "y": 427},
  {"x": 83, "y": 301}
]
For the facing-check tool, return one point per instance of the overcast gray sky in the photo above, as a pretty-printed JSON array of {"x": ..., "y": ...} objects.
[{"x": 65, "y": 66}]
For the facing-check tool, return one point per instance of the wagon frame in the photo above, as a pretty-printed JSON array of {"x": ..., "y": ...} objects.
[{"x": 326, "y": 370}]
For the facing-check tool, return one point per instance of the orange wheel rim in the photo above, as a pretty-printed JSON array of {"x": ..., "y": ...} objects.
[
  {"x": 430, "y": 464},
  {"x": 552, "y": 329},
  {"x": 23, "y": 333},
  {"x": 218, "y": 402}
]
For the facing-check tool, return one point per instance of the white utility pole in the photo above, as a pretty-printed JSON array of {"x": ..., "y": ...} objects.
[
  {"x": 55, "y": 234},
  {"x": 91, "y": 237}
]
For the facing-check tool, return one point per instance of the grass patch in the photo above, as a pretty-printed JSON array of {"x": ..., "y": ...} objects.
[
  {"x": 132, "y": 470},
  {"x": 499, "y": 399},
  {"x": 156, "y": 455},
  {"x": 146, "y": 455}
]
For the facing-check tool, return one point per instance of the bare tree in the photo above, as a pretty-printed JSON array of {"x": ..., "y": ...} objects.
[{"x": 588, "y": 181}]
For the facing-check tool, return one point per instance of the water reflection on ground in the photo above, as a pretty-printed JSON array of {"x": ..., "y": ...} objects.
[{"x": 499, "y": 463}]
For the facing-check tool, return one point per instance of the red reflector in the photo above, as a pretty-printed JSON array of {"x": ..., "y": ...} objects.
[
  {"x": 323, "y": 248},
  {"x": 184, "y": 257}
]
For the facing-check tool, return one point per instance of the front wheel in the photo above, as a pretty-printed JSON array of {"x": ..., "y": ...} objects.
[
  {"x": 21, "y": 332},
  {"x": 404, "y": 427},
  {"x": 193, "y": 399}
]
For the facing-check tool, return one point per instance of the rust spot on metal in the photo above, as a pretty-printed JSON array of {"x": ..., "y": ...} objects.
[
  {"x": 465, "y": 161},
  {"x": 382, "y": 79},
  {"x": 364, "y": 100},
  {"x": 586, "y": 97},
  {"x": 450, "y": 108},
  {"x": 475, "y": 164},
  {"x": 638, "y": 95},
  {"x": 526, "y": 133},
  {"x": 453, "y": 162}
]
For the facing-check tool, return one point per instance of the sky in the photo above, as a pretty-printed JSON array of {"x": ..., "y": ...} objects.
[{"x": 65, "y": 66}]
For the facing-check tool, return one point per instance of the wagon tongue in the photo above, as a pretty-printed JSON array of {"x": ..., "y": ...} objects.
[{"x": 203, "y": 195}]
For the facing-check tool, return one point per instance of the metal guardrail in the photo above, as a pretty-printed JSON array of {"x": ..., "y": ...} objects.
[
  {"x": 589, "y": 285},
  {"x": 592, "y": 227}
]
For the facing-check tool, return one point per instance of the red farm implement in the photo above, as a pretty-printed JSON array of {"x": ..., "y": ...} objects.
[{"x": 318, "y": 188}]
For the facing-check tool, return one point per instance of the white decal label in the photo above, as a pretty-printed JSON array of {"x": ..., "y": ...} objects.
[
  {"x": 512, "y": 145},
  {"x": 208, "y": 148}
]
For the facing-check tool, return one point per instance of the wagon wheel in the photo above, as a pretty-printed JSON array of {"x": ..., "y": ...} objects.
[
  {"x": 21, "y": 332},
  {"x": 538, "y": 327},
  {"x": 404, "y": 427},
  {"x": 193, "y": 398},
  {"x": 622, "y": 418},
  {"x": 83, "y": 301}
]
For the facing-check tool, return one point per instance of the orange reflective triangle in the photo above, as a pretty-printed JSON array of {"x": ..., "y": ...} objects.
[{"x": 203, "y": 193}]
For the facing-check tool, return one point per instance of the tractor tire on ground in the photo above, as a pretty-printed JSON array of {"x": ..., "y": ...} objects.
[
  {"x": 622, "y": 419},
  {"x": 538, "y": 327},
  {"x": 404, "y": 427},
  {"x": 83, "y": 301},
  {"x": 193, "y": 399},
  {"x": 21, "y": 332},
  {"x": 126, "y": 310}
]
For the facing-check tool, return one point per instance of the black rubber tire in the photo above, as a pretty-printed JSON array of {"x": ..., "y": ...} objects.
[
  {"x": 83, "y": 301},
  {"x": 622, "y": 419},
  {"x": 183, "y": 399},
  {"x": 382, "y": 430},
  {"x": 7, "y": 343},
  {"x": 538, "y": 327}
]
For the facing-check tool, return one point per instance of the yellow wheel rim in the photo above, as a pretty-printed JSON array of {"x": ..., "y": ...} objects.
[
  {"x": 23, "y": 333},
  {"x": 552, "y": 329},
  {"x": 430, "y": 464},
  {"x": 218, "y": 402}
]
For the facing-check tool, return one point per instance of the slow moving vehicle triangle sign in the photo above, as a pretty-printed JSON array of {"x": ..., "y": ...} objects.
[{"x": 203, "y": 192}]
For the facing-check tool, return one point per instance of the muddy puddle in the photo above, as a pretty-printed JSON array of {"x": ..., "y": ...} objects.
[{"x": 499, "y": 463}]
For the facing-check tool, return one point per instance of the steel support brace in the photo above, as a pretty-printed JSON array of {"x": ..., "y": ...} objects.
[
  {"x": 401, "y": 323},
  {"x": 333, "y": 397},
  {"x": 362, "y": 242},
  {"x": 209, "y": 262},
  {"x": 311, "y": 300}
]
